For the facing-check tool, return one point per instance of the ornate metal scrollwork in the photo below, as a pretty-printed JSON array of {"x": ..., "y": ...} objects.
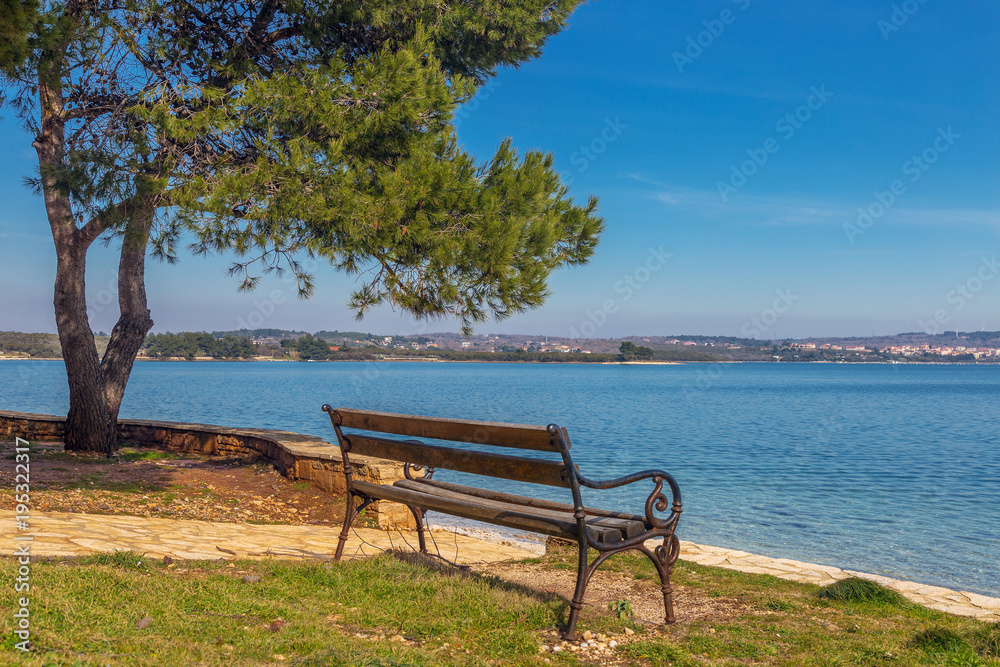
[
  {"x": 407, "y": 467},
  {"x": 657, "y": 500},
  {"x": 668, "y": 552}
]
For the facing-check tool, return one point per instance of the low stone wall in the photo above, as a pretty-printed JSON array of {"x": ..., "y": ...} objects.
[{"x": 296, "y": 456}]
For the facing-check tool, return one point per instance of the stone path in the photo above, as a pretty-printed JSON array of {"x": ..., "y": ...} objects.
[
  {"x": 66, "y": 534},
  {"x": 70, "y": 534}
]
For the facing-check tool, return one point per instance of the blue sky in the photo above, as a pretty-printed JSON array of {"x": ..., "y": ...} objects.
[{"x": 765, "y": 169}]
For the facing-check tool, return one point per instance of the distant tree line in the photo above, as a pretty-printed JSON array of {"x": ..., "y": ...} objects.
[
  {"x": 188, "y": 345},
  {"x": 308, "y": 347},
  {"x": 685, "y": 355},
  {"x": 31, "y": 344},
  {"x": 872, "y": 354},
  {"x": 721, "y": 340},
  {"x": 517, "y": 355},
  {"x": 258, "y": 333},
  {"x": 629, "y": 351}
]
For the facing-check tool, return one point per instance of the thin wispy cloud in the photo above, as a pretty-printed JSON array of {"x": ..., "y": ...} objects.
[{"x": 797, "y": 210}]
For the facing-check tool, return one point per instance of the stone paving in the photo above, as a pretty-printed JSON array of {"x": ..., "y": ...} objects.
[
  {"x": 71, "y": 534},
  {"x": 67, "y": 534}
]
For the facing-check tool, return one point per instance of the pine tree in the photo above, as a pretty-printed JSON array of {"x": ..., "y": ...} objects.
[{"x": 277, "y": 131}]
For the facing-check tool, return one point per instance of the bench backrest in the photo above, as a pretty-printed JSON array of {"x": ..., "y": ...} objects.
[{"x": 506, "y": 466}]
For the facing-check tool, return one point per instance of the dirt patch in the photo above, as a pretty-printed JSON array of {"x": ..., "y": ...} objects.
[
  {"x": 148, "y": 482},
  {"x": 645, "y": 599},
  {"x": 607, "y": 587}
]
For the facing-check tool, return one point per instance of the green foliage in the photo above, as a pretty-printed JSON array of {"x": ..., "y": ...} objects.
[
  {"x": 30, "y": 344},
  {"x": 854, "y": 589},
  {"x": 323, "y": 608},
  {"x": 644, "y": 353},
  {"x": 308, "y": 347},
  {"x": 658, "y": 653},
  {"x": 190, "y": 345},
  {"x": 629, "y": 351},
  {"x": 354, "y": 335},
  {"x": 258, "y": 333},
  {"x": 986, "y": 640},
  {"x": 685, "y": 355},
  {"x": 125, "y": 560},
  {"x": 718, "y": 340},
  {"x": 778, "y": 605},
  {"x": 347, "y": 613},
  {"x": 311, "y": 129},
  {"x": 129, "y": 455},
  {"x": 621, "y": 608},
  {"x": 938, "y": 639},
  {"x": 17, "y": 19}
]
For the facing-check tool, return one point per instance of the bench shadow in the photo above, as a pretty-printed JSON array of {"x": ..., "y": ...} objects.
[
  {"x": 446, "y": 568},
  {"x": 58, "y": 470}
]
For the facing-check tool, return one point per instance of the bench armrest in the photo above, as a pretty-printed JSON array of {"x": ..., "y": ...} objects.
[{"x": 657, "y": 500}]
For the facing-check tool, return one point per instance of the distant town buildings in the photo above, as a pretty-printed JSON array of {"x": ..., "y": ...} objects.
[{"x": 909, "y": 350}]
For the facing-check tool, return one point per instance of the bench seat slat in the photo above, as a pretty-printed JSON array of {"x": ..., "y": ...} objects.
[
  {"x": 510, "y": 515},
  {"x": 536, "y": 471},
  {"x": 462, "y": 430},
  {"x": 530, "y": 505},
  {"x": 630, "y": 524}
]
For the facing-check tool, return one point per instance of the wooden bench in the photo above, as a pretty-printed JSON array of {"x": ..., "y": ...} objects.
[{"x": 607, "y": 532}]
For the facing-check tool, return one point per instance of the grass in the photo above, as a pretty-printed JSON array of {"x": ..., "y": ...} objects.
[
  {"x": 85, "y": 612},
  {"x": 125, "y": 454},
  {"x": 854, "y": 589},
  {"x": 102, "y": 466},
  {"x": 405, "y": 610},
  {"x": 129, "y": 454},
  {"x": 97, "y": 481}
]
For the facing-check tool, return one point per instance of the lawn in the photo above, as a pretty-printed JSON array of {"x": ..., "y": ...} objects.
[{"x": 400, "y": 609}]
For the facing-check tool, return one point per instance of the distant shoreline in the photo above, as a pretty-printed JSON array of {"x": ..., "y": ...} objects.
[
  {"x": 402, "y": 360},
  {"x": 530, "y": 361}
]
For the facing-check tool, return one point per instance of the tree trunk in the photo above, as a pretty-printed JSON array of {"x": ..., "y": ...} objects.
[
  {"x": 95, "y": 387},
  {"x": 89, "y": 424},
  {"x": 134, "y": 322}
]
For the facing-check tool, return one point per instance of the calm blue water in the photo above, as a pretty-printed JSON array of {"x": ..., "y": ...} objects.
[{"x": 892, "y": 470}]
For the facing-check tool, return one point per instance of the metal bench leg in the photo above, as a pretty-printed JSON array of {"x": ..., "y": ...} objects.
[
  {"x": 583, "y": 573},
  {"x": 349, "y": 515},
  {"x": 664, "y": 557},
  {"x": 418, "y": 514}
]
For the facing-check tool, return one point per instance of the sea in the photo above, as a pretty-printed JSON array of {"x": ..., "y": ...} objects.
[{"x": 888, "y": 469}]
